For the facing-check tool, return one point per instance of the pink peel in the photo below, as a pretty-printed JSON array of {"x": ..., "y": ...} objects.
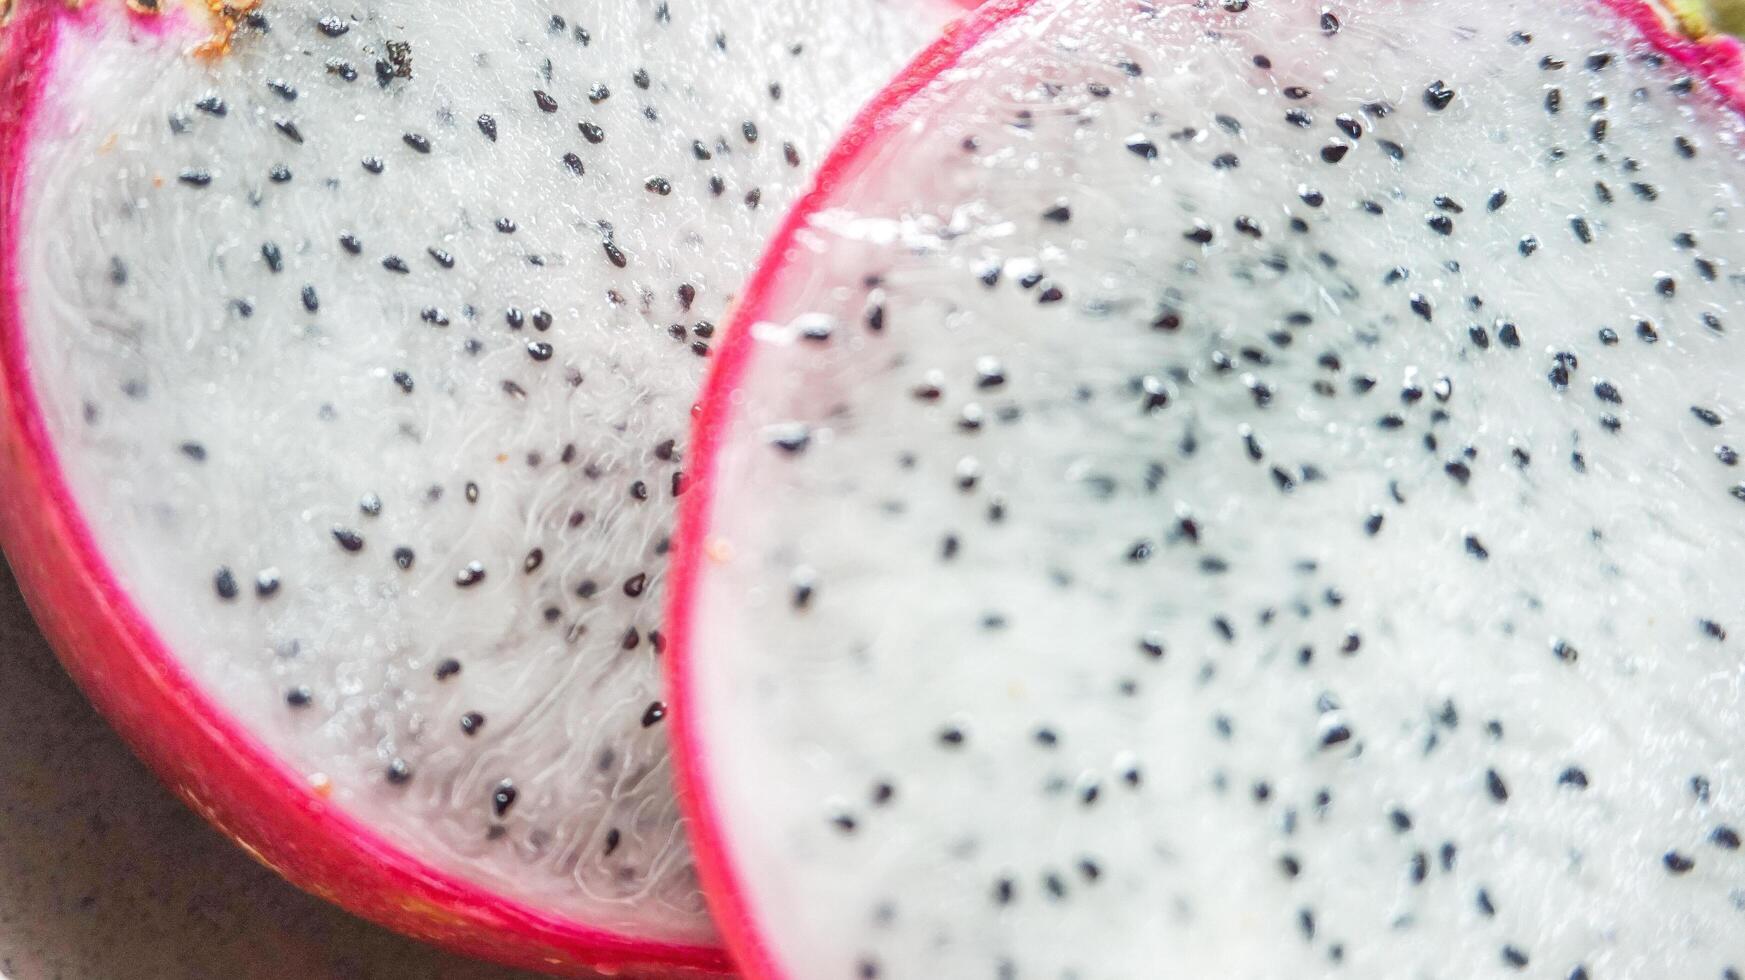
[
  {"x": 722, "y": 886},
  {"x": 1718, "y": 60}
]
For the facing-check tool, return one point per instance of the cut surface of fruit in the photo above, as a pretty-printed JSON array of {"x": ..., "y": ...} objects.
[
  {"x": 349, "y": 359},
  {"x": 1228, "y": 490}
]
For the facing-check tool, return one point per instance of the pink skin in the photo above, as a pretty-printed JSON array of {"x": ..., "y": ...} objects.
[
  {"x": 194, "y": 745},
  {"x": 1719, "y": 61}
]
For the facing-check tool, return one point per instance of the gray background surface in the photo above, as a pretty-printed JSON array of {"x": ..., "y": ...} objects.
[{"x": 106, "y": 876}]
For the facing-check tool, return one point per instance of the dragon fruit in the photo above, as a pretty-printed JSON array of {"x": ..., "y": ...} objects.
[
  {"x": 1237, "y": 490},
  {"x": 349, "y": 355}
]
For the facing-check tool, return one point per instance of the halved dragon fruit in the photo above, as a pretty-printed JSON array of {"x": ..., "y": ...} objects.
[
  {"x": 349, "y": 355},
  {"x": 1237, "y": 490}
]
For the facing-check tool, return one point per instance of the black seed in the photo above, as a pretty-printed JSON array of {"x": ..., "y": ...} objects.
[
  {"x": 471, "y": 574},
  {"x": 1528, "y": 245},
  {"x": 1498, "y": 198},
  {"x": 1677, "y": 863},
  {"x": 1329, "y": 23},
  {"x": 1475, "y": 548},
  {"x": 1712, "y": 629},
  {"x": 471, "y": 722},
  {"x": 1685, "y": 147},
  {"x": 399, "y": 772},
  {"x": 418, "y": 142},
  {"x": 394, "y": 263},
  {"x": 1607, "y": 392},
  {"x": 403, "y": 557},
  {"x": 1441, "y": 224},
  {"x": 1725, "y": 837},
  {"x": 1583, "y": 232},
  {"x": 1514, "y": 957},
  {"x": 447, "y": 668},
  {"x": 348, "y": 539},
  {"x": 1565, "y": 651},
  {"x": 224, "y": 583},
  {"x": 1420, "y": 868},
  {"x": 1142, "y": 147},
  {"x": 332, "y": 26},
  {"x": 539, "y": 350},
  {"x": 1299, "y": 117},
  {"x": 1494, "y": 785},
  {"x": 502, "y": 798},
  {"x": 1420, "y": 305},
  {"x": 652, "y": 715},
  {"x": 1705, "y": 415},
  {"x": 1573, "y": 776},
  {"x": 1437, "y": 96},
  {"x": 615, "y": 256},
  {"x": 1335, "y": 151},
  {"x": 299, "y": 697},
  {"x": 288, "y": 129},
  {"x": 574, "y": 163}
]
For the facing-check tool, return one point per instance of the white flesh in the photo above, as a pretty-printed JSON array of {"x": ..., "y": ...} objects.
[
  {"x": 1235, "y": 830},
  {"x": 134, "y": 285}
]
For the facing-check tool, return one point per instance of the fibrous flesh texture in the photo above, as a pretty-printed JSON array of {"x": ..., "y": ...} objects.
[
  {"x": 366, "y": 351},
  {"x": 1228, "y": 490}
]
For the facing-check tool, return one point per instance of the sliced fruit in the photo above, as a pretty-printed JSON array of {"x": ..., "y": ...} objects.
[{"x": 1235, "y": 490}]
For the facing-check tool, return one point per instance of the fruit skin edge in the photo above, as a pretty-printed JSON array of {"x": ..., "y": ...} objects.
[{"x": 1718, "y": 59}]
